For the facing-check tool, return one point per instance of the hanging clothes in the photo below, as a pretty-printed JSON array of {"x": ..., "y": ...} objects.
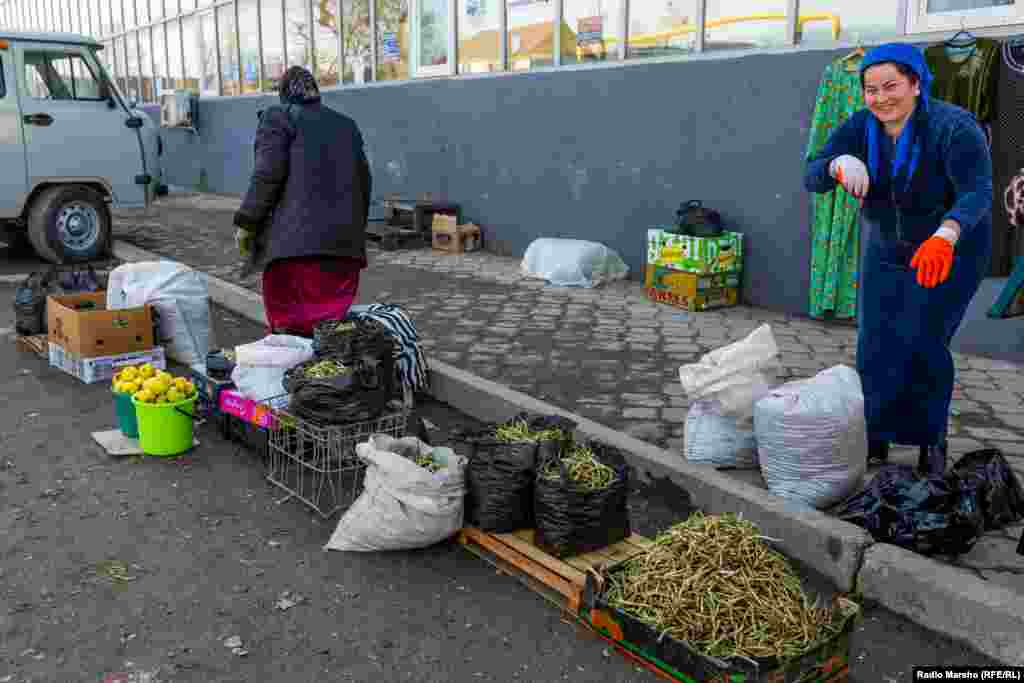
[
  {"x": 966, "y": 76},
  {"x": 835, "y": 233},
  {"x": 1007, "y": 157}
]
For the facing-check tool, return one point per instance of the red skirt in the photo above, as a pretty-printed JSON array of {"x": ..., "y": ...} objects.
[{"x": 298, "y": 293}]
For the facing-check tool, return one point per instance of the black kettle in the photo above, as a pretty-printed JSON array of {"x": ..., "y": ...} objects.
[{"x": 693, "y": 220}]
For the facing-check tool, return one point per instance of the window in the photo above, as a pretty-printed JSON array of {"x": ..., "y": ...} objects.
[
  {"x": 175, "y": 63},
  {"x": 248, "y": 36},
  {"x": 191, "y": 39},
  {"x": 298, "y": 28},
  {"x": 432, "y": 27},
  {"x": 531, "y": 34},
  {"x": 325, "y": 14},
  {"x": 590, "y": 31},
  {"x": 156, "y": 9},
  {"x": 210, "y": 84},
  {"x": 160, "y": 81},
  {"x": 146, "y": 65},
  {"x": 479, "y": 24},
  {"x": 132, "y": 66},
  {"x": 942, "y": 15},
  {"x": 117, "y": 14},
  {"x": 392, "y": 40},
  {"x": 188, "y": 5},
  {"x": 61, "y": 76},
  {"x": 356, "y": 27},
  {"x": 228, "y": 42},
  {"x": 75, "y": 18},
  {"x": 130, "y": 20},
  {"x": 745, "y": 24},
  {"x": 119, "y": 65},
  {"x": 273, "y": 43},
  {"x": 142, "y": 8},
  {"x": 858, "y": 21}
]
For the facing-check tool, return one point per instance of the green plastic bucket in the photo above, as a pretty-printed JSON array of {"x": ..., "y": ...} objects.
[
  {"x": 126, "y": 415},
  {"x": 165, "y": 429}
]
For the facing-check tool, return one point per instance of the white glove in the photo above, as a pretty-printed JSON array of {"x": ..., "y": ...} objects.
[{"x": 852, "y": 174}]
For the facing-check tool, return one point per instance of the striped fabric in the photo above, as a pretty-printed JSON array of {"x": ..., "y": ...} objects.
[{"x": 412, "y": 364}]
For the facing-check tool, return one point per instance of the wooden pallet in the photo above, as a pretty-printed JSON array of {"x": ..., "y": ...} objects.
[
  {"x": 37, "y": 344},
  {"x": 560, "y": 582},
  {"x": 391, "y": 239}
]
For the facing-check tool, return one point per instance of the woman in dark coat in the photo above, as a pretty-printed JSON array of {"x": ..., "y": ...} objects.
[
  {"x": 923, "y": 173},
  {"x": 304, "y": 217}
]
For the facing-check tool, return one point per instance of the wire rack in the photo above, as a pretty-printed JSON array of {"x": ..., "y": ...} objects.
[{"x": 317, "y": 464}]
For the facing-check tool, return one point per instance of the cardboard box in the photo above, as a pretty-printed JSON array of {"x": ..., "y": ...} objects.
[
  {"x": 452, "y": 238},
  {"x": 97, "y": 332},
  {"x": 701, "y": 255},
  {"x": 246, "y": 409},
  {"x": 102, "y": 368},
  {"x": 691, "y": 291}
]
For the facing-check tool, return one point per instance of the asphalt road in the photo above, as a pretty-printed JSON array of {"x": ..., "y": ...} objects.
[{"x": 206, "y": 552}]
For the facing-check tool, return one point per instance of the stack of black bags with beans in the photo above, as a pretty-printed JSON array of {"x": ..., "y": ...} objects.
[
  {"x": 351, "y": 378},
  {"x": 529, "y": 472}
]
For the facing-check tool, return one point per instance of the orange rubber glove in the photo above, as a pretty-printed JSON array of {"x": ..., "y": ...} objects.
[{"x": 933, "y": 261}]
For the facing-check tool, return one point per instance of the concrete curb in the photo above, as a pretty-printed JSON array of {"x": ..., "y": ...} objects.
[
  {"x": 941, "y": 598},
  {"x": 946, "y": 599}
]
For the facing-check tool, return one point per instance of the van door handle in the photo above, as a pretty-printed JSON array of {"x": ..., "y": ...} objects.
[{"x": 38, "y": 119}]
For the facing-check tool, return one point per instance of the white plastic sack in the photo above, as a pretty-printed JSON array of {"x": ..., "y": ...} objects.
[
  {"x": 260, "y": 366},
  {"x": 572, "y": 263},
  {"x": 713, "y": 439},
  {"x": 403, "y": 506},
  {"x": 180, "y": 296},
  {"x": 812, "y": 439},
  {"x": 736, "y": 375}
]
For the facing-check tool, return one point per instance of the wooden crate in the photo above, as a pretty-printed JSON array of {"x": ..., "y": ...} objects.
[
  {"x": 560, "y": 582},
  {"x": 37, "y": 344}
]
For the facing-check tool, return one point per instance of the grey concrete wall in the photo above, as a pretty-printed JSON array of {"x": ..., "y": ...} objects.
[{"x": 597, "y": 154}]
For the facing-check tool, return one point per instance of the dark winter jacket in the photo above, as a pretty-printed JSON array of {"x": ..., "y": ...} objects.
[{"x": 310, "y": 188}]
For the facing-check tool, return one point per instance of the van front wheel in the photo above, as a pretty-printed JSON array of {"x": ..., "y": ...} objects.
[{"x": 69, "y": 223}]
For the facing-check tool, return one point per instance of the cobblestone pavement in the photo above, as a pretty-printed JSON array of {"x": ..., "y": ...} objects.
[{"x": 608, "y": 354}]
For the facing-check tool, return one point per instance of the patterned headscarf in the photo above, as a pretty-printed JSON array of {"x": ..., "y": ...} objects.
[
  {"x": 298, "y": 87},
  {"x": 908, "y": 147}
]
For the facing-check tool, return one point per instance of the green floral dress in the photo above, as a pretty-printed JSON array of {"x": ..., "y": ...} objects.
[{"x": 835, "y": 253}]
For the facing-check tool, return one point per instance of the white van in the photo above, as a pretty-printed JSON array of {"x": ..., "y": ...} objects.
[{"x": 70, "y": 147}]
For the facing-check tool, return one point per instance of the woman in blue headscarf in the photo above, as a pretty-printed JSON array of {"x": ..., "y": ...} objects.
[{"x": 923, "y": 174}]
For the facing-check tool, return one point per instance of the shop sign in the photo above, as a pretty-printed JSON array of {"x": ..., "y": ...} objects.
[
  {"x": 392, "y": 51},
  {"x": 590, "y": 31}
]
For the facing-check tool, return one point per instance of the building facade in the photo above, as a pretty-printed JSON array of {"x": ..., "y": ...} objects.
[{"x": 233, "y": 47}]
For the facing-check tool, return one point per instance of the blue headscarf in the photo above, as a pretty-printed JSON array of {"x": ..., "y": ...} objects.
[{"x": 908, "y": 147}]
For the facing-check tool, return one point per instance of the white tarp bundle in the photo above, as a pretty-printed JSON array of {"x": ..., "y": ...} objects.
[{"x": 572, "y": 263}]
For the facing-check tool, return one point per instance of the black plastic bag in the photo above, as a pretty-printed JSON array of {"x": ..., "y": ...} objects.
[
  {"x": 30, "y": 297},
  {"x": 988, "y": 474},
  {"x": 572, "y": 520},
  {"x": 30, "y": 304},
  {"x": 927, "y": 514},
  {"x": 500, "y": 477},
  {"x": 500, "y": 474}
]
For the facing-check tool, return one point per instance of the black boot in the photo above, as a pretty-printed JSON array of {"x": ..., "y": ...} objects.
[
  {"x": 878, "y": 453},
  {"x": 933, "y": 459}
]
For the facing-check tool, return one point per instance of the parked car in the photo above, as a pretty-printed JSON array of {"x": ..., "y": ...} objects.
[{"x": 71, "y": 147}]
